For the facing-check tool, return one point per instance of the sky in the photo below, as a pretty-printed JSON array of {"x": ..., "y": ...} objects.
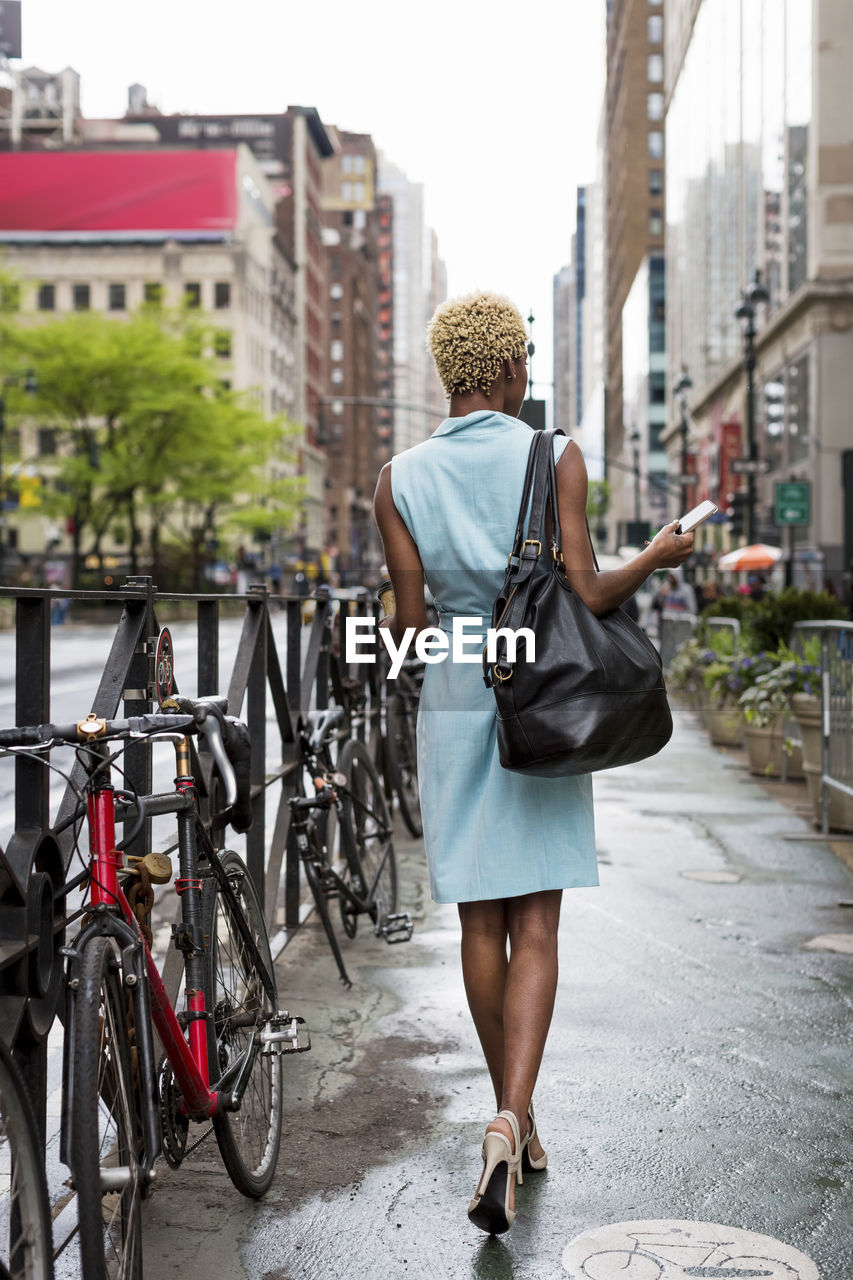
[{"x": 493, "y": 106}]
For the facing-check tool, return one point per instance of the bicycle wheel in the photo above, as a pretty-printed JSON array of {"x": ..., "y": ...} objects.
[
  {"x": 26, "y": 1247},
  {"x": 249, "y": 1139},
  {"x": 368, "y": 827},
  {"x": 104, "y": 1159},
  {"x": 402, "y": 747}
]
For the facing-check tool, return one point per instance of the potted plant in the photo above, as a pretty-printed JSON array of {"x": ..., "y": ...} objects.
[
  {"x": 769, "y": 681},
  {"x": 723, "y": 717}
]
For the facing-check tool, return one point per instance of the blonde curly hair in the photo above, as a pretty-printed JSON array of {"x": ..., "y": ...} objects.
[{"x": 469, "y": 337}]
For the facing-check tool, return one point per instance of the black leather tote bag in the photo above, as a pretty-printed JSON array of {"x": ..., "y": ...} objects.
[{"x": 593, "y": 697}]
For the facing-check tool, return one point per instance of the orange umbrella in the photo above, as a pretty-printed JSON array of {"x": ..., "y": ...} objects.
[{"x": 758, "y": 556}]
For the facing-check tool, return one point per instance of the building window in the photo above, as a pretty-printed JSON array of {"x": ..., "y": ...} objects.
[
  {"x": 654, "y": 106},
  {"x": 337, "y": 349},
  {"x": 656, "y": 144},
  {"x": 358, "y": 192},
  {"x": 335, "y": 266},
  {"x": 655, "y": 222},
  {"x": 655, "y": 29},
  {"x": 358, "y": 164},
  {"x": 153, "y": 292},
  {"x": 222, "y": 344},
  {"x": 192, "y": 293},
  {"x": 337, "y": 376},
  {"x": 47, "y": 441},
  {"x": 80, "y": 297},
  {"x": 47, "y": 297},
  {"x": 116, "y": 297},
  {"x": 346, "y": 164},
  {"x": 337, "y": 407},
  {"x": 336, "y": 321},
  {"x": 346, "y": 191},
  {"x": 655, "y": 70},
  {"x": 655, "y": 182},
  {"x": 336, "y": 292},
  {"x": 222, "y": 294}
]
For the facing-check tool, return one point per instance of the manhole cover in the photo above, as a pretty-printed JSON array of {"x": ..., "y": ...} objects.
[
  {"x": 713, "y": 877},
  {"x": 842, "y": 942},
  {"x": 673, "y": 1249}
]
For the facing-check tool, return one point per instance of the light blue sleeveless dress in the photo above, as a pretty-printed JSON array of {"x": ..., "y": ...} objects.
[{"x": 488, "y": 833}]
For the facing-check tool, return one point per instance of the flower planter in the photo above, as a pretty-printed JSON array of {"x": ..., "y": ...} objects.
[
  {"x": 807, "y": 713},
  {"x": 766, "y": 746},
  {"x": 725, "y": 724}
]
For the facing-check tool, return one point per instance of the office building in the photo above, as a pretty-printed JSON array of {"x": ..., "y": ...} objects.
[{"x": 760, "y": 177}]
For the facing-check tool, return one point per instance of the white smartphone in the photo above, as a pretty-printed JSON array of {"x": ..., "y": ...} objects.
[{"x": 697, "y": 516}]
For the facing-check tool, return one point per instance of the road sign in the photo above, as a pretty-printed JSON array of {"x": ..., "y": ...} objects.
[
  {"x": 749, "y": 466},
  {"x": 686, "y": 478},
  {"x": 793, "y": 502}
]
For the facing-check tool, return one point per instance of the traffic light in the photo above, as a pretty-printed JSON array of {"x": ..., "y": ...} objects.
[{"x": 736, "y": 511}]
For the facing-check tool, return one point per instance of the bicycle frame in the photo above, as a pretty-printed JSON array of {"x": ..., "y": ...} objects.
[{"x": 112, "y": 915}]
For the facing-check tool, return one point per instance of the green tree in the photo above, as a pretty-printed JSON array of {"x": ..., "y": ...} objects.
[{"x": 150, "y": 443}]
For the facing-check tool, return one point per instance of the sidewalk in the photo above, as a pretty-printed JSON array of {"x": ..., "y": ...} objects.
[{"x": 698, "y": 1067}]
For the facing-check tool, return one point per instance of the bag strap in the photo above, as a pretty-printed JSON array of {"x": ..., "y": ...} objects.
[
  {"x": 515, "y": 553},
  {"x": 555, "y": 514}
]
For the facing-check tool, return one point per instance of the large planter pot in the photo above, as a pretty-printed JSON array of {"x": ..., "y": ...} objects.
[
  {"x": 725, "y": 724},
  {"x": 766, "y": 746},
  {"x": 807, "y": 713}
]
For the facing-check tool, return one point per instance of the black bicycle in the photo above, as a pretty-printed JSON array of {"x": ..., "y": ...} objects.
[
  {"x": 344, "y": 837},
  {"x": 400, "y": 742}
]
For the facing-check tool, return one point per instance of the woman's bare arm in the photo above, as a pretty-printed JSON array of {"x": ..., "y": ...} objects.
[
  {"x": 602, "y": 592},
  {"x": 403, "y": 561}
]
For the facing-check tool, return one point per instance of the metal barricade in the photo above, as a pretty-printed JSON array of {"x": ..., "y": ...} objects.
[
  {"x": 836, "y": 711},
  {"x": 675, "y": 628},
  {"x": 722, "y": 624}
]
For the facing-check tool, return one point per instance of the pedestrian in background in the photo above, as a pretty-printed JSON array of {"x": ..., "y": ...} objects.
[{"x": 501, "y": 845}]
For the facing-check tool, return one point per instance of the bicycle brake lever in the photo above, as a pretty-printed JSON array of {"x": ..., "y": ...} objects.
[{"x": 212, "y": 730}]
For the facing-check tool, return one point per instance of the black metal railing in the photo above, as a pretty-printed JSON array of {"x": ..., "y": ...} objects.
[{"x": 35, "y": 867}]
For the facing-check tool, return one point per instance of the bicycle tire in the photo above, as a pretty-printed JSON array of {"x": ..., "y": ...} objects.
[
  {"x": 249, "y": 1139},
  {"x": 366, "y": 829},
  {"x": 104, "y": 1124},
  {"x": 26, "y": 1244},
  {"x": 402, "y": 749}
]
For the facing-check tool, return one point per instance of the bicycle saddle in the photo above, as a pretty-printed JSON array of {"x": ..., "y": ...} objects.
[{"x": 323, "y": 721}]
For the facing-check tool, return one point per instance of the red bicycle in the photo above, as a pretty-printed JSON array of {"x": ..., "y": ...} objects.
[{"x": 222, "y": 1054}]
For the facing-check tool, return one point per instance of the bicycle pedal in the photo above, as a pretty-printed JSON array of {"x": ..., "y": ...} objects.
[
  {"x": 285, "y": 1034},
  {"x": 397, "y": 927}
]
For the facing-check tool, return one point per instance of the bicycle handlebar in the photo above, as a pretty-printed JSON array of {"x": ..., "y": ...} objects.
[{"x": 226, "y": 736}]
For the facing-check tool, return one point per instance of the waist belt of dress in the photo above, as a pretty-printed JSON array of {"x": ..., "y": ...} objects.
[{"x": 445, "y": 623}]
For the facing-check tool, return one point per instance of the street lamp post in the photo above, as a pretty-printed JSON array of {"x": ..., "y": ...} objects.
[
  {"x": 754, "y": 294},
  {"x": 31, "y": 387},
  {"x": 684, "y": 384}
]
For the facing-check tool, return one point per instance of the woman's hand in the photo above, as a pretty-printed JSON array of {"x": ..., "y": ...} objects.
[
  {"x": 670, "y": 548},
  {"x": 388, "y": 620}
]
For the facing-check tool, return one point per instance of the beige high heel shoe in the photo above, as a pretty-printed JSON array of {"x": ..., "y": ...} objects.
[
  {"x": 527, "y": 1161},
  {"x": 489, "y": 1210}
]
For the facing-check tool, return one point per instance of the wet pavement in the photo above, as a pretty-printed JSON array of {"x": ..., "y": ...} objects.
[{"x": 698, "y": 1069}]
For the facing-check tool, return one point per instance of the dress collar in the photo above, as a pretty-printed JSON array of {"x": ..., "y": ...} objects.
[{"x": 496, "y": 422}]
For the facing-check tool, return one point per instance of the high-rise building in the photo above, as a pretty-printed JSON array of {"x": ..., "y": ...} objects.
[
  {"x": 634, "y": 179},
  {"x": 760, "y": 176},
  {"x": 590, "y": 427},
  {"x": 564, "y": 345},
  {"x": 291, "y": 149},
  {"x": 436, "y": 294},
  {"x": 415, "y": 400},
  {"x": 352, "y": 431}
]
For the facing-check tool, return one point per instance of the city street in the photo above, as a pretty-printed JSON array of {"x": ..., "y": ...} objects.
[{"x": 698, "y": 1068}]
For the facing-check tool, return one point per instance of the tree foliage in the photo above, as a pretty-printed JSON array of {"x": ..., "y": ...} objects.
[{"x": 153, "y": 448}]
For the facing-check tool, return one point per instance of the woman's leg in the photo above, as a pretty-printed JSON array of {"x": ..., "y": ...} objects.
[
  {"x": 484, "y": 970},
  {"x": 511, "y": 1001},
  {"x": 529, "y": 993}
]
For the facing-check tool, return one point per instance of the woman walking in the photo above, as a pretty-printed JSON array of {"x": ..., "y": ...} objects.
[{"x": 502, "y": 845}]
